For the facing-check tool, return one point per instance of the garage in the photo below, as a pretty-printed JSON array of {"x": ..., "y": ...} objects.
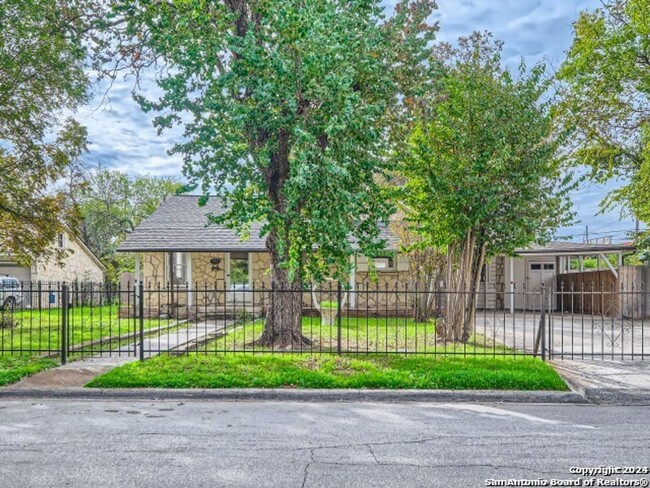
[{"x": 21, "y": 273}]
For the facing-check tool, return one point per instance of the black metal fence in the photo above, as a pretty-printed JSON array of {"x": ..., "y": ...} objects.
[{"x": 71, "y": 320}]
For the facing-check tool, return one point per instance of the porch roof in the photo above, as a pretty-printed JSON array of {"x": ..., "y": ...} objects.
[
  {"x": 563, "y": 248},
  {"x": 180, "y": 225}
]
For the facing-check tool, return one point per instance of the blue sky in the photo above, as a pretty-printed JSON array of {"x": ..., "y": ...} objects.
[{"x": 122, "y": 137}]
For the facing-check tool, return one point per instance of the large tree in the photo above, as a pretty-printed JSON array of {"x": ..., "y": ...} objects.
[
  {"x": 41, "y": 77},
  {"x": 482, "y": 176},
  {"x": 287, "y": 107},
  {"x": 607, "y": 99},
  {"x": 112, "y": 204}
]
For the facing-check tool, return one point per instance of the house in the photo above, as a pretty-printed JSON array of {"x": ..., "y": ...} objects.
[
  {"x": 209, "y": 265},
  {"x": 79, "y": 265},
  {"x": 174, "y": 245}
]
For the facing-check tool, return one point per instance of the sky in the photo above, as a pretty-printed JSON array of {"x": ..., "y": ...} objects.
[{"x": 122, "y": 136}]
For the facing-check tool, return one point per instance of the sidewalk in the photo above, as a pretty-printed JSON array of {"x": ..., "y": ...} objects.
[{"x": 619, "y": 382}]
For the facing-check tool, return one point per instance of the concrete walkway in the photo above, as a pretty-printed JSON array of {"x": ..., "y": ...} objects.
[{"x": 77, "y": 373}]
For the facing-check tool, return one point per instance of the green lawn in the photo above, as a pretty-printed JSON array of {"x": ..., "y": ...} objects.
[
  {"x": 13, "y": 368},
  {"x": 37, "y": 331},
  {"x": 361, "y": 335},
  {"x": 328, "y": 371}
]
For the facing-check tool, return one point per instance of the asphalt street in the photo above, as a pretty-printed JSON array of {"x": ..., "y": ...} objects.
[{"x": 57, "y": 443}]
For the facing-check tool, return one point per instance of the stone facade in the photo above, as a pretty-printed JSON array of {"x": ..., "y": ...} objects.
[
  {"x": 384, "y": 292},
  {"x": 79, "y": 268},
  {"x": 209, "y": 285},
  {"x": 79, "y": 265},
  {"x": 209, "y": 290}
]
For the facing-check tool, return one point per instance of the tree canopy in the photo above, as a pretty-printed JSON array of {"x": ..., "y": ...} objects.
[
  {"x": 607, "y": 99},
  {"x": 41, "y": 76},
  {"x": 287, "y": 107},
  {"x": 482, "y": 176},
  {"x": 112, "y": 204}
]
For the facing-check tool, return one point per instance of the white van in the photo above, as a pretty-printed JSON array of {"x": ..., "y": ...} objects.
[{"x": 11, "y": 295}]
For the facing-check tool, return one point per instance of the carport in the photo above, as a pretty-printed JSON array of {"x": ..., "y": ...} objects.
[{"x": 539, "y": 267}]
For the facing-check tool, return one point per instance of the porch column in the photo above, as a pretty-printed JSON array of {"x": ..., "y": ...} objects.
[
  {"x": 190, "y": 294},
  {"x": 353, "y": 282},
  {"x": 136, "y": 281},
  {"x": 512, "y": 285}
]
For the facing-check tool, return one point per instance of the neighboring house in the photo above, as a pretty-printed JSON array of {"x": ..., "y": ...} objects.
[
  {"x": 79, "y": 265},
  {"x": 176, "y": 245}
]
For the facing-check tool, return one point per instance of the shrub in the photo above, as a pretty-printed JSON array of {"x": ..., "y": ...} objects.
[{"x": 329, "y": 305}]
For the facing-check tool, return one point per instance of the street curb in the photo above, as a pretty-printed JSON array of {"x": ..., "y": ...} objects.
[
  {"x": 612, "y": 396},
  {"x": 296, "y": 395}
]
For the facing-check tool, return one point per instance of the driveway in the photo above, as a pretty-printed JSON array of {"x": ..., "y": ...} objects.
[{"x": 569, "y": 336}]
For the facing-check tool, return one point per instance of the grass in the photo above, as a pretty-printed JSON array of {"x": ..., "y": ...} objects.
[
  {"x": 13, "y": 368},
  {"x": 361, "y": 335},
  {"x": 328, "y": 371},
  {"x": 38, "y": 331},
  {"x": 475, "y": 365}
]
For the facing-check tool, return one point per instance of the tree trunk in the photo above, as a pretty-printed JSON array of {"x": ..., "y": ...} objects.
[
  {"x": 283, "y": 322},
  {"x": 464, "y": 264},
  {"x": 478, "y": 269}
]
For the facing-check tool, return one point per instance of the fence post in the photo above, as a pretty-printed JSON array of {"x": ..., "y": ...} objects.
[
  {"x": 64, "y": 324},
  {"x": 339, "y": 307},
  {"x": 543, "y": 323},
  {"x": 141, "y": 317}
]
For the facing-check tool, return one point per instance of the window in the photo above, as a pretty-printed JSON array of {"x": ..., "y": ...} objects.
[
  {"x": 549, "y": 266},
  {"x": 239, "y": 276},
  {"x": 384, "y": 263},
  {"x": 9, "y": 283},
  {"x": 178, "y": 266},
  {"x": 61, "y": 241},
  {"x": 535, "y": 267}
]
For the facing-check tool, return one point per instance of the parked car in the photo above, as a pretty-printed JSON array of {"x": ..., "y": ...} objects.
[{"x": 11, "y": 295}]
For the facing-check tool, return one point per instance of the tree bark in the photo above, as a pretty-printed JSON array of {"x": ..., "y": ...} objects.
[
  {"x": 283, "y": 322},
  {"x": 464, "y": 265}
]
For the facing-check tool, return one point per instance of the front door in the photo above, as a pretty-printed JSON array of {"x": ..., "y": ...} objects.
[{"x": 538, "y": 273}]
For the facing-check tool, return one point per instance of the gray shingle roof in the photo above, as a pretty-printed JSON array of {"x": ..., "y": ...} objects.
[{"x": 179, "y": 224}]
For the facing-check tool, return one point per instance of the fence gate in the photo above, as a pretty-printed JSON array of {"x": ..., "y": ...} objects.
[
  {"x": 599, "y": 324},
  {"x": 98, "y": 320}
]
